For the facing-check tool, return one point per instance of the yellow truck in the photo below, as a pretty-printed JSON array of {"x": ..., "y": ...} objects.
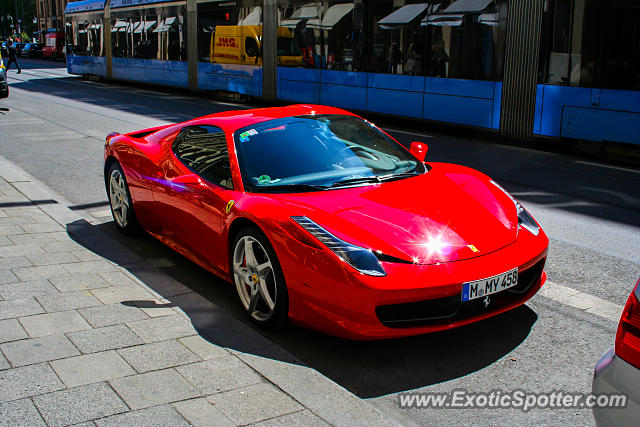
[{"x": 242, "y": 44}]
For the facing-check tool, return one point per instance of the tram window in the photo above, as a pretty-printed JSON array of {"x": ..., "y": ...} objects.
[
  {"x": 621, "y": 61},
  {"x": 464, "y": 44},
  {"x": 593, "y": 44},
  {"x": 158, "y": 34},
  {"x": 396, "y": 37},
  {"x": 230, "y": 32},
  {"x": 85, "y": 35}
]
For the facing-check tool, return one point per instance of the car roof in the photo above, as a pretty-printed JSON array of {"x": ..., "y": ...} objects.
[{"x": 231, "y": 121}]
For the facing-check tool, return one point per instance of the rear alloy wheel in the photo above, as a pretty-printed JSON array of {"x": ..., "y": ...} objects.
[
  {"x": 120, "y": 201},
  {"x": 259, "y": 279}
]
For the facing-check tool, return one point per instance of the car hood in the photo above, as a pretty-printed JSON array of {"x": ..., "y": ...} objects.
[{"x": 449, "y": 214}]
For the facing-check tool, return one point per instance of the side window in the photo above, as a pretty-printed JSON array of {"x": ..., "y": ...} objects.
[
  {"x": 203, "y": 149},
  {"x": 251, "y": 47}
]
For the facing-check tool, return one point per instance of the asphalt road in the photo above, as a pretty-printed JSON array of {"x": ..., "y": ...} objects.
[{"x": 55, "y": 130}]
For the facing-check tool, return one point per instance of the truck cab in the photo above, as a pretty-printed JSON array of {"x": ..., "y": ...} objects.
[{"x": 242, "y": 44}]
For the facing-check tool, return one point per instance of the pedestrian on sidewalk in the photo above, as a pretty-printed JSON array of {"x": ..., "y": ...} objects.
[{"x": 12, "y": 56}]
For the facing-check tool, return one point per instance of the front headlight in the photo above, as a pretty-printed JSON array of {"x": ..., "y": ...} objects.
[
  {"x": 359, "y": 258},
  {"x": 525, "y": 220}
]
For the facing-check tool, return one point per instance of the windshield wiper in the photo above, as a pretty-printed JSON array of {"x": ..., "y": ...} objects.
[
  {"x": 375, "y": 179},
  {"x": 354, "y": 181},
  {"x": 289, "y": 187},
  {"x": 393, "y": 177}
]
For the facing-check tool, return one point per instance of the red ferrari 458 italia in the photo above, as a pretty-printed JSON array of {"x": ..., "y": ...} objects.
[{"x": 318, "y": 216}]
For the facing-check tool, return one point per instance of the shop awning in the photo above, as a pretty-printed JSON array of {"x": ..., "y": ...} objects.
[
  {"x": 402, "y": 16},
  {"x": 119, "y": 26},
  {"x": 254, "y": 18},
  {"x": 305, "y": 12},
  {"x": 166, "y": 25},
  {"x": 441, "y": 20},
  {"x": 144, "y": 27},
  {"x": 468, "y": 6},
  {"x": 334, "y": 14},
  {"x": 453, "y": 15},
  {"x": 489, "y": 19}
]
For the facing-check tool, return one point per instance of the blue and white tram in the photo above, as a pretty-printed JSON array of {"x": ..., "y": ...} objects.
[{"x": 552, "y": 68}]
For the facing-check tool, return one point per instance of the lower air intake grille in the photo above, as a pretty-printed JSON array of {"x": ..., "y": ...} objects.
[{"x": 445, "y": 310}]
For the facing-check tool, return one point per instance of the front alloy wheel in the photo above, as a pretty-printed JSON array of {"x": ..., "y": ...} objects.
[{"x": 258, "y": 279}]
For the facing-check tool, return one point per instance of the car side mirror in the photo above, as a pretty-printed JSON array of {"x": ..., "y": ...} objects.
[
  {"x": 190, "y": 179},
  {"x": 419, "y": 150}
]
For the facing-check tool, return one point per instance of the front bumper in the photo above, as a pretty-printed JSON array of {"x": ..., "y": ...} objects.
[
  {"x": 614, "y": 375},
  {"x": 328, "y": 295}
]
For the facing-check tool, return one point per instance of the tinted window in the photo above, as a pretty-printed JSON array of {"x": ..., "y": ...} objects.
[
  {"x": 203, "y": 149},
  {"x": 318, "y": 150},
  {"x": 158, "y": 33},
  {"x": 592, "y": 43}
]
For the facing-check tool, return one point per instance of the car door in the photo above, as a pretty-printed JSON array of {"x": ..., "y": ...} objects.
[{"x": 198, "y": 186}]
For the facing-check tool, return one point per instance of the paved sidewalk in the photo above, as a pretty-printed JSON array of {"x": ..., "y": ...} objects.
[{"x": 85, "y": 339}]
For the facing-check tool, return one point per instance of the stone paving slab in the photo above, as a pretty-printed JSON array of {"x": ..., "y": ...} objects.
[
  {"x": 162, "y": 328},
  {"x": 112, "y": 314},
  {"x": 300, "y": 418},
  {"x": 91, "y": 368},
  {"x": 26, "y": 289},
  {"x": 79, "y": 282},
  {"x": 20, "y": 413},
  {"x": 158, "y": 416},
  {"x": 54, "y": 323},
  {"x": 28, "y": 381},
  {"x": 218, "y": 375},
  {"x": 7, "y": 276},
  {"x": 201, "y": 413},
  {"x": 159, "y": 355},
  {"x": 154, "y": 388},
  {"x": 102, "y": 339},
  {"x": 254, "y": 403},
  {"x": 36, "y": 350},
  {"x": 4, "y": 363},
  {"x": 19, "y": 307},
  {"x": 14, "y": 262},
  {"x": 84, "y": 339},
  {"x": 79, "y": 404},
  {"x": 11, "y": 330},
  {"x": 67, "y": 301}
]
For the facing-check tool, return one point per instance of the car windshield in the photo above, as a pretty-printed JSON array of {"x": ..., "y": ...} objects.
[{"x": 319, "y": 152}]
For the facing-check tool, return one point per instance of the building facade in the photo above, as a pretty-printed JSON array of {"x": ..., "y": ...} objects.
[{"x": 50, "y": 15}]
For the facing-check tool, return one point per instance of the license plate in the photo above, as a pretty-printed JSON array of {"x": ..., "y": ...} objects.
[{"x": 490, "y": 285}]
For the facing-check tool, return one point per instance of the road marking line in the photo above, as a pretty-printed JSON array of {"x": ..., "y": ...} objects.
[{"x": 582, "y": 301}]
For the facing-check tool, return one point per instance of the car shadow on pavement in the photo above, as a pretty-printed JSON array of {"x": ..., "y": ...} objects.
[{"x": 367, "y": 369}]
